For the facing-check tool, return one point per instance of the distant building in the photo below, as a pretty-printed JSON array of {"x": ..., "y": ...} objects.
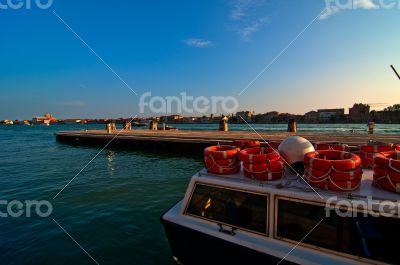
[
  {"x": 285, "y": 117},
  {"x": 204, "y": 119},
  {"x": 311, "y": 117},
  {"x": 330, "y": 115},
  {"x": 175, "y": 118},
  {"x": 72, "y": 121},
  {"x": 266, "y": 117},
  {"x": 47, "y": 118},
  {"x": 190, "y": 119},
  {"x": 244, "y": 115},
  {"x": 359, "y": 113},
  {"x": 7, "y": 122},
  {"x": 386, "y": 116}
]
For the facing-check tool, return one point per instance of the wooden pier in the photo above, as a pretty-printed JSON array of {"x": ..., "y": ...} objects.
[{"x": 196, "y": 141}]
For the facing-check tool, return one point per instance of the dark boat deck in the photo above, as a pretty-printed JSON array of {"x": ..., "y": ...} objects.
[{"x": 196, "y": 140}]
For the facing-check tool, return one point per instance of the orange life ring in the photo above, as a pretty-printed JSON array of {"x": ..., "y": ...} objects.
[
  {"x": 355, "y": 174},
  {"x": 276, "y": 166},
  {"x": 387, "y": 170},
  {"x": 396, "y": 147},
  {"x": 393, "y": 175},
  {"x": 335, "y": 175},
  {"x": 273, "y": 144},
  {"x": 259, "y": 155},
  {"x": 331, "y": 146},
  {"x": 209, "y": 161},
  {"x": 221, "y": 152},
  {"x": 367, "y": 159},
  {"x": 263, "y": 176},
  {"x": 326, "y": 159},
  {"x": 222, "y": 159},
  {"x": 367, "y": 152},
  {"x": 316, "y": 174},
  {"x": 242, "y": 144},
  {"x": 334, "y": 185},
  {"x": 375, "y": 148},
  {"x": 388, "y": 159},
  {"x": 347, "y": 185},
  {"x": 384, "y": 182},
  {"x": 316, "y": 182},
  {"x": 215, "y": 169}
]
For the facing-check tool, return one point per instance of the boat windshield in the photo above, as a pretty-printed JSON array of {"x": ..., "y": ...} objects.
[
  {"x": 363, "y": 235},
  {"x": 237, "y": 208}
]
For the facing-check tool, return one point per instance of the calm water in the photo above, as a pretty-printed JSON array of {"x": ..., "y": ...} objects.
[
  {"x": 112, "y": 208},
  {"x": 337, "y": 128}
]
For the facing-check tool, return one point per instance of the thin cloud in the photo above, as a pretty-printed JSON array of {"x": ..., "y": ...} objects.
[
  {"x": 240, "y": 8},
  {"x": 246, "y": 17},
  {"x": 353, "y": 4},
  {"x": 199, "y": 43},
  {"x": 248, "y": 30}
]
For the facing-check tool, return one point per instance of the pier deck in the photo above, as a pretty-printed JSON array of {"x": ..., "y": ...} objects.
[{"x": 193, "y": 141}]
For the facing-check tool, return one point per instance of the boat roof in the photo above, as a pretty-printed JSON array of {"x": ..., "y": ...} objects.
[{"x": 294, "y": 186}]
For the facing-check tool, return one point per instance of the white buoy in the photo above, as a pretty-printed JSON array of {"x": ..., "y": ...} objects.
[{"x": 293, "y": 149}]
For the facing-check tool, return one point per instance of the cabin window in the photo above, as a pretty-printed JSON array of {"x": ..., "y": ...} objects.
[
  {"x": 364, "y": 236},
  {"x": 236, "y": 208}
]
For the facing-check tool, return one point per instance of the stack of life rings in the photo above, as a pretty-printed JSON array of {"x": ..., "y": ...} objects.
[
  {"x": 222, "y": 159},
  {"x": 387, "y": 171},
  {"x": 273, "y": 144},
  {"x": 262, "y": 163},
  {"x": 243, "y": 144},
  {"x": 333, "y": 170},
  {"x": 331, "y": 146},
  {"x": 367, "y": 152}
]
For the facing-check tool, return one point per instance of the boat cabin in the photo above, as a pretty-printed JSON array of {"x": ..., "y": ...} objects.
[{"x": 285, "y": 221}]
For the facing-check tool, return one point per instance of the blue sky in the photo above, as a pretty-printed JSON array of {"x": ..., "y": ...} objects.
[{"x": 203, "y": 48}]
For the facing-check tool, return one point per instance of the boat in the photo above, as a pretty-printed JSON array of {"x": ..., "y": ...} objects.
[
  {"x": 140, "y": 124},
  {"x": 233, "y": 219},
  {"x": 166, "y": 128}
]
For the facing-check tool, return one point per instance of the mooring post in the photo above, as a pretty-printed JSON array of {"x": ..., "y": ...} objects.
[
  {"x": 153, "y": 125},
  {"x": 108, "y": 127},
  {"x": 292, "y": 126},
  {"x": 127, "y": 125},
  {"x": 113, "y": 126},
  {"x": 223, "y": 124},
  {"x": 371, "y": 127}
]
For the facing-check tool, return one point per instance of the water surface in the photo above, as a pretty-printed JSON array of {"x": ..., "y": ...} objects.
[{"x": 111, "y": 208}]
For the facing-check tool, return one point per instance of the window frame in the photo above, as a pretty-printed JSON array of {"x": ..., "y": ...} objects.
[
  {"x": 266, "y": 195},
  {"x": 310, "y": 246}
]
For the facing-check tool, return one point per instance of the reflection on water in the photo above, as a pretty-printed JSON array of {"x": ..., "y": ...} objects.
[{"x": 111, "y": 163}]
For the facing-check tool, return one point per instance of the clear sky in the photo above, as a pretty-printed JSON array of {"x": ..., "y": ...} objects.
[{"x": 204, "y": 48}]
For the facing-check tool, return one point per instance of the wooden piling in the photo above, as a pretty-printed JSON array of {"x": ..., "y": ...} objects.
[
  {"x": 371, "y": 127},
  {"x": 292, "y": 126}
]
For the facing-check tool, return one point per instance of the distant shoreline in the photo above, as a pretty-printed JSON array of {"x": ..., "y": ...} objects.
[{"x": 216, "y": 123}]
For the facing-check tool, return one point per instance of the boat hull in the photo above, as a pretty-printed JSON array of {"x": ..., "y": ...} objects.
[{"x": 191, "y": 247}]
